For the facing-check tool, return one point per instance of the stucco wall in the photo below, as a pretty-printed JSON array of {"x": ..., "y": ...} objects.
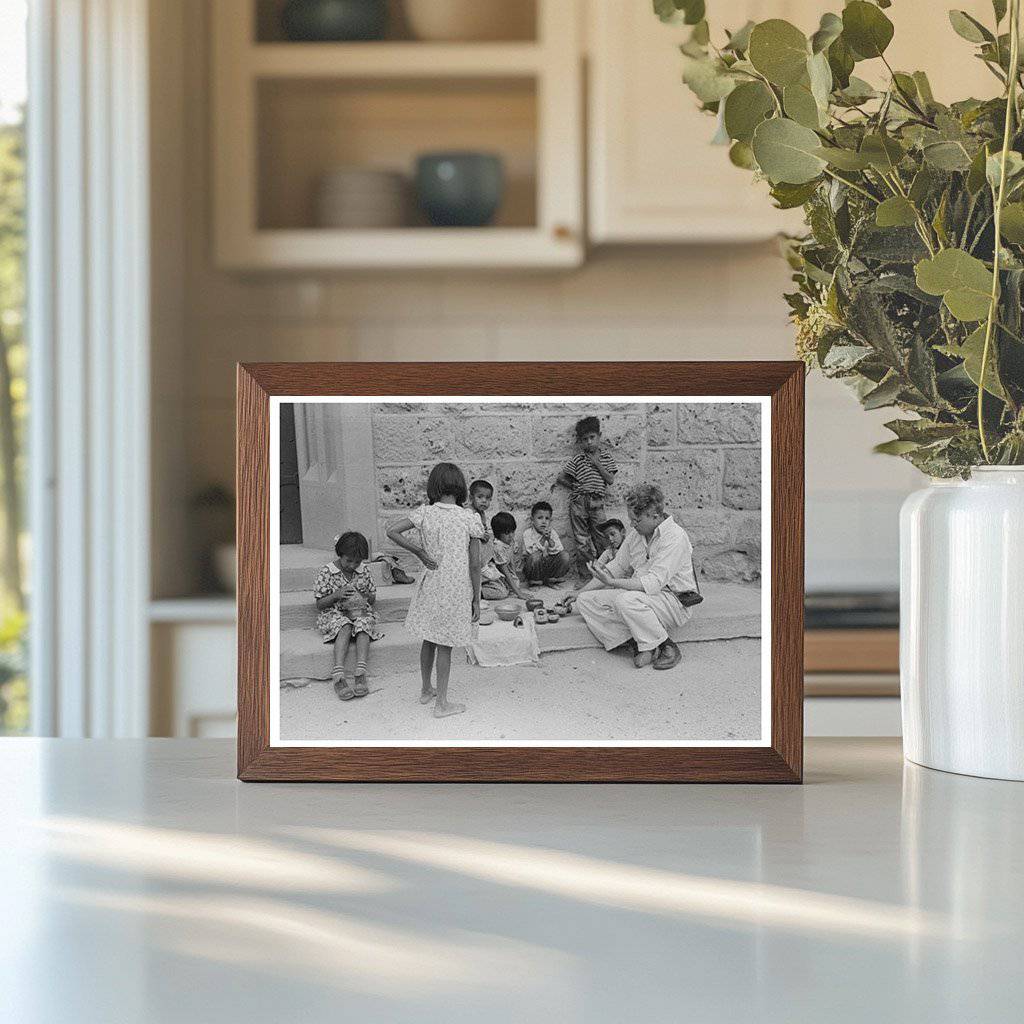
[{"x": 706, "y": 458}]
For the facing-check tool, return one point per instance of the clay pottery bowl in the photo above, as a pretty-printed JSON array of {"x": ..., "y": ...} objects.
[
  {"x": 533, "y": 603},
  {"x": 486, "y": 617},
  {"x": 507, "y": 610}
]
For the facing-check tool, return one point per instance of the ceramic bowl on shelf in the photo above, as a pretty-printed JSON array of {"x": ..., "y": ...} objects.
[
  {"x": 470, "y": 20},
  {"x": 362, "y": 197},
  {"x": 334, "y": 21},
  {"x": 460, "y": 189}
]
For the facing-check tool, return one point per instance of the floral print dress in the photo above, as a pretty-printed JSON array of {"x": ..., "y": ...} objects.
[
  {"x": 332, "y": 620},
  {"x": 441, "y": 609}
]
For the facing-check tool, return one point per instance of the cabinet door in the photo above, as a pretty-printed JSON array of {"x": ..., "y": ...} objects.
[{"x": 654, "y": 176}]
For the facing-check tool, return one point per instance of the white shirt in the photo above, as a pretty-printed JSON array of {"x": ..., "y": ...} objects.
[
  {"x": 663, "y": 563},
  {"x": 534, "y": 543}
]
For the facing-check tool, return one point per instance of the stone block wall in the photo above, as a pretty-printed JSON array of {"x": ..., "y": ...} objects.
[{"x": 705, "y": 457}]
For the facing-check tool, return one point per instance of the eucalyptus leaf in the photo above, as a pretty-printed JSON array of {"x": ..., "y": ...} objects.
[
  {"x": 972, "y": 351},
  {"x": 829, "y": 30},
  {"x": 801, "y": 106},
  {"x": 745, "y": 108},
  {"x": 866, "y": 29},
  {"x": 690, "y": 12},
  {"x": 841, "y": 62},
  {"x": 1012, "y": 223},
  {"x": 924, "y": 87},
  {"x": 741, "y": 155},
  {"x": 883, "y": 152},
  {"x": 844, "y": 159},
  {"x": 779, "y": 51},
  {"x": 857, "y": 91},
  {"x": 976, "y": 174},
  {"x": 739, "y": 41},
  {"x": 895, "y": 447},
  {"x": 708, "y": 80},
  {"x": 923, "y": 431},
  {"x": 963, "y": 281},
  {"x": 969, "y": 28},
  {"x": 993, "y": 167},
  {"x": 819, "y": 75},
  {"x": 999, "y": 9},
  {"x": 947, "y": 156},
  {"x": 884, "y": 395},
  {"x": 788, "y": 196},
  {"x": 787, "y": 152},
  {"x": 895, "y": 212}
]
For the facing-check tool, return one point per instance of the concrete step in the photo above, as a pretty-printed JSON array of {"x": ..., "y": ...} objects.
[
  {"x": 729, "y": 611},
  {"x": 299, "y": 566},
  {"x": 298, "y": 608}
]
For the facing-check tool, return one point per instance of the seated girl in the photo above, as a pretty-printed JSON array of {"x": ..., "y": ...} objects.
[{"x": 345, "y": 596}]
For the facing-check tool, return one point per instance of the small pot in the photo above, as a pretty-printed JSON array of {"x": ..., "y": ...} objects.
[
  {"x": 486, "y": 617},
  {"x": 534, "y": 602},
  {"x": 334, "y": 21},
  {"x": 508, "y": 610},
  {"x": 460, "y": 189}
]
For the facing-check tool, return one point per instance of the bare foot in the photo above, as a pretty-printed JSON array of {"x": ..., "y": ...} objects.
[
  {"x": 448, "y": 709},
  {"x": 427, "y": 696}
]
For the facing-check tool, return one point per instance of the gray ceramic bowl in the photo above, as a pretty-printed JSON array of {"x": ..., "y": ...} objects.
[
  {"x": 460, "y": 189},
  {"x": 332, "y": 21}
]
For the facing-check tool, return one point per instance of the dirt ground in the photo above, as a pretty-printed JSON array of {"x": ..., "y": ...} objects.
[{"x": 713, "y": 694}]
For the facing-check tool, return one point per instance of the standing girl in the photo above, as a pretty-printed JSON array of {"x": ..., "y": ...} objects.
[
  {"x": 446, "y": 603},
  {"x": 345, "y": 596}
]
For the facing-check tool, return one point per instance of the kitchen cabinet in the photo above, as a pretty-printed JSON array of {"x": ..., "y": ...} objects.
[
  {"x": 654, "y": 177},
  {"x": 288, "y": 114}
]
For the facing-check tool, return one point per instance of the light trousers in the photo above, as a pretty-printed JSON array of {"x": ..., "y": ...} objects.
[{"x": 614, "y": 616}]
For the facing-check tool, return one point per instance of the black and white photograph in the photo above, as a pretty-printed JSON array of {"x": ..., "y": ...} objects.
[{"x": 460, "y": 572}]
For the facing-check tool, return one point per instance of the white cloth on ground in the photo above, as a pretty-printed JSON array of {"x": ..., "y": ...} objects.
[{"x": 501, "y": 643}]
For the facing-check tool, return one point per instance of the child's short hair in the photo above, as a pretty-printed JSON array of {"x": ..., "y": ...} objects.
[
  {"x": 612, "y": 524},
  {"x": 446, "y": 478},
  {"x": 587, "y": 425},
  {"x": 352, "y": 544},
  {"x": 541, "y": 506},
  {"x": 479, "y": 485},
  {"x": 503, "y": 523}
]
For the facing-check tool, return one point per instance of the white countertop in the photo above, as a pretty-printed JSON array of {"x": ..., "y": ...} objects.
[{"x": 140, "y": 882}]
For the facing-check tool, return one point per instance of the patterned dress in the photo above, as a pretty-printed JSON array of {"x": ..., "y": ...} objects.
[
  {"x": 332, "y": 620},
  {"x": 441, "y": 609}
]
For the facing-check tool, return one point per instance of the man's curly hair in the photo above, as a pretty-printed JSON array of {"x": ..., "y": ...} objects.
[{"x": 644, "y": 498}]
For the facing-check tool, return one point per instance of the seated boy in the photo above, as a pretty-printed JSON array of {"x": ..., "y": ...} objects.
[
  {"x": 498, "y": 577},
  {"x": 613, "y": 532},
  {"x": 544, "y": 558}
]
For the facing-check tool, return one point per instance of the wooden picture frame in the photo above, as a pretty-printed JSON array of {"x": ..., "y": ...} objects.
[{"x": 779, "y": 759}]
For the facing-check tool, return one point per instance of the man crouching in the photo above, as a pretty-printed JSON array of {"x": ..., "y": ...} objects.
[{"x": 635, "y": 596}]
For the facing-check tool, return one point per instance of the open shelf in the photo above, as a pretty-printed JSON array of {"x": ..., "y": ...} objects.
[
  {"x": 520, "y": 22},
  {"x": 309, "y": 127}
]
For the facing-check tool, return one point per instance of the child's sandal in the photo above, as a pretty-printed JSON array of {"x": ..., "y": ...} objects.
[
  {"x": 359, "y": 687},
  {"x": 342, "y": 689}
]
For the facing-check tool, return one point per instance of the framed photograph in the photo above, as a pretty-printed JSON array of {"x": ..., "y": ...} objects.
[{"x": 520, "y": 571}]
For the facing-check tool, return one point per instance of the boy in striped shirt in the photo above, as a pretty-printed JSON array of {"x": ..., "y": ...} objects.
[{"x": 587, "y": 475}]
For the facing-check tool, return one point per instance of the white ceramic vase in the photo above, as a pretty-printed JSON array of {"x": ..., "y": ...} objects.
[{"x": 962, "y": 624}]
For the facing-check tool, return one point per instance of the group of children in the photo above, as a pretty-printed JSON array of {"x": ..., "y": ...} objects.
[{"x": 465, "y": 559}]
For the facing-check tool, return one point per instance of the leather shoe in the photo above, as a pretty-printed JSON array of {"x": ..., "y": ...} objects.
[
  {"x": 643, "y": 658},
  {"x": 668, "y": 656}
]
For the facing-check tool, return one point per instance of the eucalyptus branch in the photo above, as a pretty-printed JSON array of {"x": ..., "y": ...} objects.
[
  {"x": 1011, "y": 109},
  {"x": 853, "y": 185}
]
